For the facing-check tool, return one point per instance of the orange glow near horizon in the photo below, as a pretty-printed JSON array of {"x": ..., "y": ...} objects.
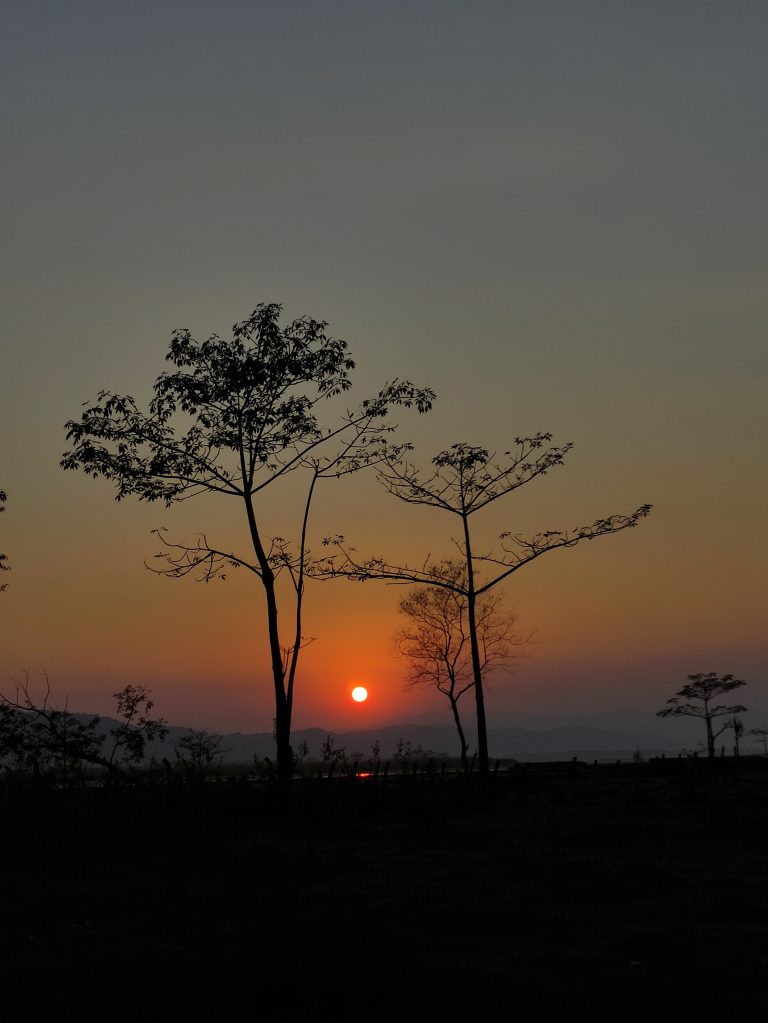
[{"x": 359, "y": 694}]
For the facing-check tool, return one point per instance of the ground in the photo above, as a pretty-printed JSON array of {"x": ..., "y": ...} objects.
[{"x": 637, "y": 891}]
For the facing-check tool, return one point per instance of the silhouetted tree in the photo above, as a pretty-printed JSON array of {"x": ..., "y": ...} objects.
[
  {"x": 695, "y": 700},
  {"x": 198, "y": 750},
  {"x": 330, "y": 753},
  {"x": 36, "y": 735},
  {"x": 136, "y": 729},
  {"x": 436, "y": 641},
  {"x": 3, "y": 558},
  {"x": 464, "y": 481},
  {"x": 763, "y": 733},
  {"x": 234, "y": 417},
  {"x": 737, "y": 725}
]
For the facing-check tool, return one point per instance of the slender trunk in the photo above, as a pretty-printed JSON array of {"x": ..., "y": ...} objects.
[
  {"x": 460, "y": 730},
  {"x": 282, "y": 705},
  {"x": 482, "y": 731},
  {"x": 299, "y": 596},
  {"x": 283, "y": 737},
  {"x": 710, "y": 738}
]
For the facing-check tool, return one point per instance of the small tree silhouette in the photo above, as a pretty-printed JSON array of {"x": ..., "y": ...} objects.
[
  {"x": 738, "y": 731},
  {"x": 436, "y": 643},
  {"x": 136, "y": 729},
  {"x": 198, "y": 750},
  {"x": 695, "y": 700},
  {"x": 465, "y": 480},
  {"x": 330, "y": 753},
  {"x": 763, "y": 733},
  {"x": 232, "y": 418}
]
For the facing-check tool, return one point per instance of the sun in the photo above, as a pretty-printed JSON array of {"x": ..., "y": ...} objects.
[{"x": 359, "y": 694}]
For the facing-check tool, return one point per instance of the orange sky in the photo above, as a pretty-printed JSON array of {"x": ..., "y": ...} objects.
[
  {"x": 616, "y": 621},
  {"x": 554, "y": 217}
]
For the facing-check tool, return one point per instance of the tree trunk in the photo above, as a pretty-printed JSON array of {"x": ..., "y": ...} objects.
[
  {"x": 710, "y": 739},
  {"x": 482, "y": 729},
  {"x": 460, "y": 730},
  {"x": 477, "y": 672},
  {"x": 282, "y": 701},
  {"x": 283, "y": 740}
]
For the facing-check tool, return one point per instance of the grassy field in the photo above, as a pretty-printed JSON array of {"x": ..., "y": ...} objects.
[{"x": 634, "y": 891}]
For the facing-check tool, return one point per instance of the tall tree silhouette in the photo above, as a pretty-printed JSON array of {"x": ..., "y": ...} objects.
[
  {"x": 436, "y": 645},
  {"x": 464, "y": 481},
  {"x": 3, "y": 558},
  {"x": 695, "y": 700},
  {"x": 234, "y": 417}
]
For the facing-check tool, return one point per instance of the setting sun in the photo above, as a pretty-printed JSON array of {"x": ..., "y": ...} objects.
[{"x": 359, "y": 694}]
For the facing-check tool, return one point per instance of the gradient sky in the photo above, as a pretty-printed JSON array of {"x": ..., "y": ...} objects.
[{"x": 552, "y": 213}]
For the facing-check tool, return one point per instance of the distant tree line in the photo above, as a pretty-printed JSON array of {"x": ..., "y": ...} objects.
[{"x": 41, "y": 740}]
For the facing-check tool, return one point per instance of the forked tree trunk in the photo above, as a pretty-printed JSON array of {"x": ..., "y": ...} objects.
[
  {"x": 282, "y": 702},
  {"x": 282, "y": 698}
]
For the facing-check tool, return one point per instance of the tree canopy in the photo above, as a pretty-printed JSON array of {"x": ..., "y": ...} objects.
[
  {"x": 251, "y": 402},
  {"x": 233, "y": 417}
]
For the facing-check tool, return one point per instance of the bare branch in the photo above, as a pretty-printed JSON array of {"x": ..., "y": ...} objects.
[
  {"x": 198, "y": 558},
  {"x": 519, "y": 551}
]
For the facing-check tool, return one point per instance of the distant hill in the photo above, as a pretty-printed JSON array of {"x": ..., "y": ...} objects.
[{"x": 520, "y": 743}]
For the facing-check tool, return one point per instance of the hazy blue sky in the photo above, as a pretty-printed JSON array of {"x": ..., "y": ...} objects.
[{"x": 553, "y": 213}]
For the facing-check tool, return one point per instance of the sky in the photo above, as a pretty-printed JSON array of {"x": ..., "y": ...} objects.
[{"x": 551, "y": 213}]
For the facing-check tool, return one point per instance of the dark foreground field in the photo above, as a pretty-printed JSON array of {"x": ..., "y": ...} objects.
[{"x": 628, "y": 892}]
